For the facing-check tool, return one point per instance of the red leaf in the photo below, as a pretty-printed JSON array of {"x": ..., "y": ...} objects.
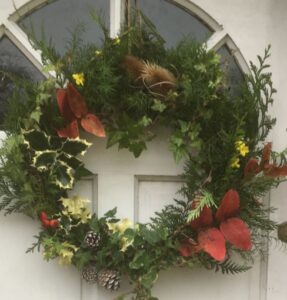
[
  {"x": 70, "y": 131},
  {"x": 53, "y": 223},
  {"x": 266, "y": 155},
  {"x": 229, "y": 205},
  {"x": 185, "y": 249},
  {"x": 252, "y": 167},
  {"x": 44, "y": 219},
  {"x": 63, "y": 104},
  {"x": 205, "y": 219},
  {"x": 237, "y": 233},
  {"x": 274, "y": 171},
  {"x": 212, "y": 242},
  {"x": 76, "y": 101},
  {"x": 93, "y": 125}
]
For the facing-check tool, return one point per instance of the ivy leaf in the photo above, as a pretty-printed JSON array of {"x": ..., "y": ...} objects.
[
  {"x": 113, "y": 138},
  {"x": 75, "y": 147},
  {"x": 158, "y": 106},
  {"x": 149, "y": 279},
  {"x": 140, "y": 260},
  {"x": 151, "y": 236},
  {"x": 36, "y": 140},
  {"x": 111, "y": 213}
]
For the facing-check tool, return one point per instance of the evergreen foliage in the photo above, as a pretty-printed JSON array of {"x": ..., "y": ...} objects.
[{"x": 133, "y": 84}]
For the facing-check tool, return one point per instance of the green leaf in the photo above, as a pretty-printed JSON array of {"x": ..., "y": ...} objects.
[
  {"x": 111, "y": 213},
  {"x": 158, "y": 106},
  {"x": 149, "y": 279},
  {"x": 71, "y": 161},
  {"x": 151, "y": 236},
  {"x": 36, "y": 140},
  {"x": 44, "y": 159},
  {"x": 64, "y": 178},
  {"x": 75, "y": 146},
  {"x": 36, "y": 115},
  {"x": 140, "y": 260},
  {"x": 114, "y": 138}
]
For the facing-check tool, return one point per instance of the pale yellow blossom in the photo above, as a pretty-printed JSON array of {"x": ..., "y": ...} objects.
[{"x": 76, "y": 207}]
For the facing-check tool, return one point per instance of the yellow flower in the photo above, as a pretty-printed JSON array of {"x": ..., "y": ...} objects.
[
  {"x": 242, "y": 148},
  {"x": 117, "y": 41},
  {"x": 79, "y": 78},
  {"x": 120, "y": 226},
  {"x": 235, "y": 163},
  {"x": 76, "y": 207}
]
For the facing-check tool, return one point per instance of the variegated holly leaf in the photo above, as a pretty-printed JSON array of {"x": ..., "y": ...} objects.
[
  {"x": 75, "y": 147},
  {"x": 44, "y": 159},
  {"x": 63, "y": 174},
  {"x": 71, "y": 161},
  {"x": 36, "y": 140},
  {"x": 55, "y": 142}
]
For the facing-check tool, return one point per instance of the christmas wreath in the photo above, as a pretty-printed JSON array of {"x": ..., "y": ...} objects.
[{"x": 124, "y": 90}]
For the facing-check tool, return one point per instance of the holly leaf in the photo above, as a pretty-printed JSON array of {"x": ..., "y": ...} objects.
[
  {"x": 229, "y": 205},
  {"x": 63, "y": 176},
  {"x": 36, "y": 140},
  {"x": 93, "y": 125},
  {"x": 76, "y": 102},
  {"x": 237, "y": 233},
  {"x": 43, "y": 160},
  {"x": 212, "y": 242},
  {"x": 75, "y": 147},
  {"x": 71, "y": 161}
]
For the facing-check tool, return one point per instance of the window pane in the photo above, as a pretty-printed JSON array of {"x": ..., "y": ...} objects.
[
  {"x": 174, "y": 22},
  {"x": 60, "y": 17},
  {"x": 13, "y": 60},
  {"x": 234, "y": 74}
]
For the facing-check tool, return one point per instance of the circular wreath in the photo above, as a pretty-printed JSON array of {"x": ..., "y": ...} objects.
[{"x": 124, "y": 90}]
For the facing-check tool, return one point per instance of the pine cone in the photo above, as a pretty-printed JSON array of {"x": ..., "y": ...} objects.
[
  {"x": 90, "y": 274},
  {"x": 92, "y": 239},
  {"x": 109, "y": 279}
]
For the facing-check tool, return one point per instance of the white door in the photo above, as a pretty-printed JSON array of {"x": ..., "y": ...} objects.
[{"x": 138, "y": 187}]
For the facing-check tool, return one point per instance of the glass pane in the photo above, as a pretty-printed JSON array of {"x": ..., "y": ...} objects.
[
  {"x": 60, "y": 17},
  {"x": 174, "y": 22},
  {"x": 13, "y": 60},
  {"x": 234, "y": 74}
]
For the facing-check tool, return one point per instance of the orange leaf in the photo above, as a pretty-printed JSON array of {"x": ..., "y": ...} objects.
[
  {"x": 76, "y": 101},
  {"x": 212, "y": 242},
  {"x": 63, "y": 104},
  {"x": 252, "y": 167},
  {"x": 229, "y": 205},
  {"x": 70, "y": 131},
  {"x": 53, "y": 223},
  {"x": 266, "y": 155},
  {"x": 93, "y": 125},
  {"x": 185, "y": 249},
  {"x": 205, "y": 219},
  {"x": 274, "y": 171},
  {"x": 237, "y": 233}
]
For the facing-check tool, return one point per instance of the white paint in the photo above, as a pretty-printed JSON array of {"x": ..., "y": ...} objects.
[{"x": 248, "y": 27}]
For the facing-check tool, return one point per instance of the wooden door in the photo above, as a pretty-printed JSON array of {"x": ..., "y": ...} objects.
[{"x": 138, "y": 187}]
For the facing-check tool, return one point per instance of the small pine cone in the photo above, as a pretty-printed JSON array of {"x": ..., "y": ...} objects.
[
  {"x": 109, "y": 279},
  {"x": 90, "y": 274},
  {"x": 92, "y": 239}
]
